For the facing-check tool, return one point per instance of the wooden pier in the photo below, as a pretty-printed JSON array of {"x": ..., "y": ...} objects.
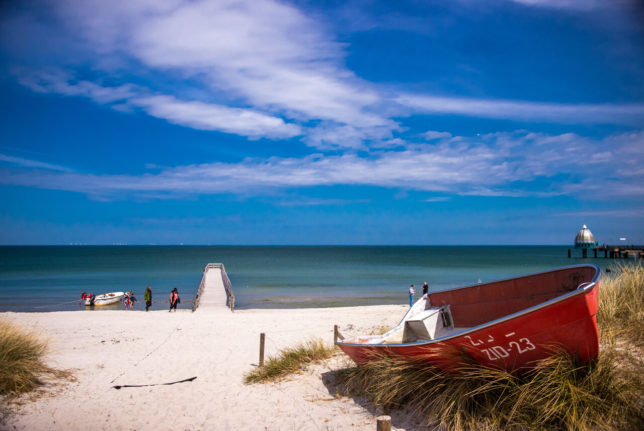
[
  {"x": 613, "y": 251},
  {"x": 215, "y": 289}
]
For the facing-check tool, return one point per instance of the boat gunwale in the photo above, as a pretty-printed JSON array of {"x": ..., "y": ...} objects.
[{"x": 587, "y": 287}]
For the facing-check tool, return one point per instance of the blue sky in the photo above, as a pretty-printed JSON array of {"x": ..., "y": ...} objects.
[{"x": 304, "y": 122}]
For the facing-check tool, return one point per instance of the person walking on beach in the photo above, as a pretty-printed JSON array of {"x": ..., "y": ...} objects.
[
  {"x": 148, "y": 297},
  {"x": 412, "y": 292},
  {"x": 174, "y": 299},
  {"x": 425, "y": 288}
]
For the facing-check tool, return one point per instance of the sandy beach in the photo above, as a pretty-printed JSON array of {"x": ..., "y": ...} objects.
[{"x": 110, "y": 348}]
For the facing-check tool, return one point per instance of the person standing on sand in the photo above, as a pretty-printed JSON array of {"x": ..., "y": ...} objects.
[
  {"x": 174, "y": 299},
  {"x": 127, "y": 300},
  {"x": 148, "y": 297},
  {"x": 412, "y": 292},
  {"x": 425, "y": 288}
]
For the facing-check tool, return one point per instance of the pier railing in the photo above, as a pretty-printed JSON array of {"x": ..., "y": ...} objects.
[{"x": 230, "y": 296}]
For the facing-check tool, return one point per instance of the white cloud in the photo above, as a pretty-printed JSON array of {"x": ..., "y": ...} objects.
[
  {"x": 525, "y": 110},
  {"x": 330, "y": 135},
  {"x": 205, "y": 116},
  {"x": 61, "y": 82},
  {"x": 194, "y": 114},
  {"x": 262, "y": 56},
  {"x": 501, "y": 164},
  {"x": 432, "y": 134},
  {"x": 257, "y": 68},
  {"x": 583, "y": 5},
  {"x": 266, "y": 52}
]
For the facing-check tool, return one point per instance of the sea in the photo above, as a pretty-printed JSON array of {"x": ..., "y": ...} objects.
[{"x": 52, "y": 278}]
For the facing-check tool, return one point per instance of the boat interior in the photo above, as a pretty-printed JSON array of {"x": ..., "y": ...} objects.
[{"x": 440, "y": 314}]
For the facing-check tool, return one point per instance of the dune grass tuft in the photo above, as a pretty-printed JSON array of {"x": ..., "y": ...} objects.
[
  {"x": 559, "y": 393},
  {"x": 21, "y": 364},
  {"x": 290, "y": 360},
  {"x": 621, "y": 302}
]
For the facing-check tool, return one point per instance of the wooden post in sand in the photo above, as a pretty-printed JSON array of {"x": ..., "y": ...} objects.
[
  {"x": 335, "y": 334},
  {"x": 383, "y": 423},
  {"x": 262, "y": 337}
]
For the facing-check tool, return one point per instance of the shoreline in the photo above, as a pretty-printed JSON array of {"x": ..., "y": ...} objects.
[
  {"x": 216, "y": 346},
  {"x": 284, "y": 303}
]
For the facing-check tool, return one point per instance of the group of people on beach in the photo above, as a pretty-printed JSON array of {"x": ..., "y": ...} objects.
[
  {"x": 412, "y": 292},
  {"x": 129, "y": 299}
]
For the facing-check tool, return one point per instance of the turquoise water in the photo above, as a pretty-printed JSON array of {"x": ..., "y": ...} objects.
[{"x": 51, "y": 278}]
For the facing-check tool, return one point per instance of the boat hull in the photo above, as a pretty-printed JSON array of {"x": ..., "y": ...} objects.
[
  {"x": 106, "y": 299},
  {"x": 514, "y": 342}
]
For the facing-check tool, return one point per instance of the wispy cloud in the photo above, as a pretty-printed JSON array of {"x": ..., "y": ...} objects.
[
  {"x": 58, "y": 81},
  {"x": 582, "y": 5},
  {"x": 500, "y": 164},
  {"x": 308, "y": 202},
  {"x": 245, "y": 74},
  {"x": 621, "y": 213},
  {"x": 234, "y": 47},
  {"x": 193, "y": 114},
  {"x": 208, "y": 116},
  {"x": 432, "y": 134},
  {"x": 263, "y": 79},
  {"x": 525, "y": 110},
  {"x": 28, "y": 163}
]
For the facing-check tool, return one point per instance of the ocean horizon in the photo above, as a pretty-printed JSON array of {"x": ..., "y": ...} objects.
[{"x": 51, "y": 278}]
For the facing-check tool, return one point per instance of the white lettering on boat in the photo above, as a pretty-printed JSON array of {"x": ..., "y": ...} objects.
[
  {"x": 490, "y": 354},
  {"x": 500, "y": 351},
  {"x": 497, "y": 352},
  {"x": 478, "y": 342},
  {"x": 527, "y": 345}
]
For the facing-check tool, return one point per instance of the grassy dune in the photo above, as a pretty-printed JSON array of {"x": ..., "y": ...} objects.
[
  {"x": 289, "y": 361},
  {"x": 559, "y": 393}
]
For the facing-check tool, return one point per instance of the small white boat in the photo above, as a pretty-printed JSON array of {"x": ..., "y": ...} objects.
[{"x": 105, "y": 298}]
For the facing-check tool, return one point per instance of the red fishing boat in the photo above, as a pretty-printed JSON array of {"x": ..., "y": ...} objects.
[{"x": 505, "y": 324}]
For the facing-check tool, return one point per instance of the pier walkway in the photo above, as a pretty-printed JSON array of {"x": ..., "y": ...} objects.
[
  {"x": 215, "y": 290},
  {"x": 614, "y": 251}
]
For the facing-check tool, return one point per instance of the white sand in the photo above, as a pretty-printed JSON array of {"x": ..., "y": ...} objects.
[{"x": 106, "y": 348}]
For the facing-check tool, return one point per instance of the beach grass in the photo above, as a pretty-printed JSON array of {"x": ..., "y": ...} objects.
[
  {"x": 289, "y": 361},
  {"x": 621, "y": 303},
  {"x": 559, "y": 393},
  {"x": 21, "y": 365},
  {"x": 21, "y": 360}
]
